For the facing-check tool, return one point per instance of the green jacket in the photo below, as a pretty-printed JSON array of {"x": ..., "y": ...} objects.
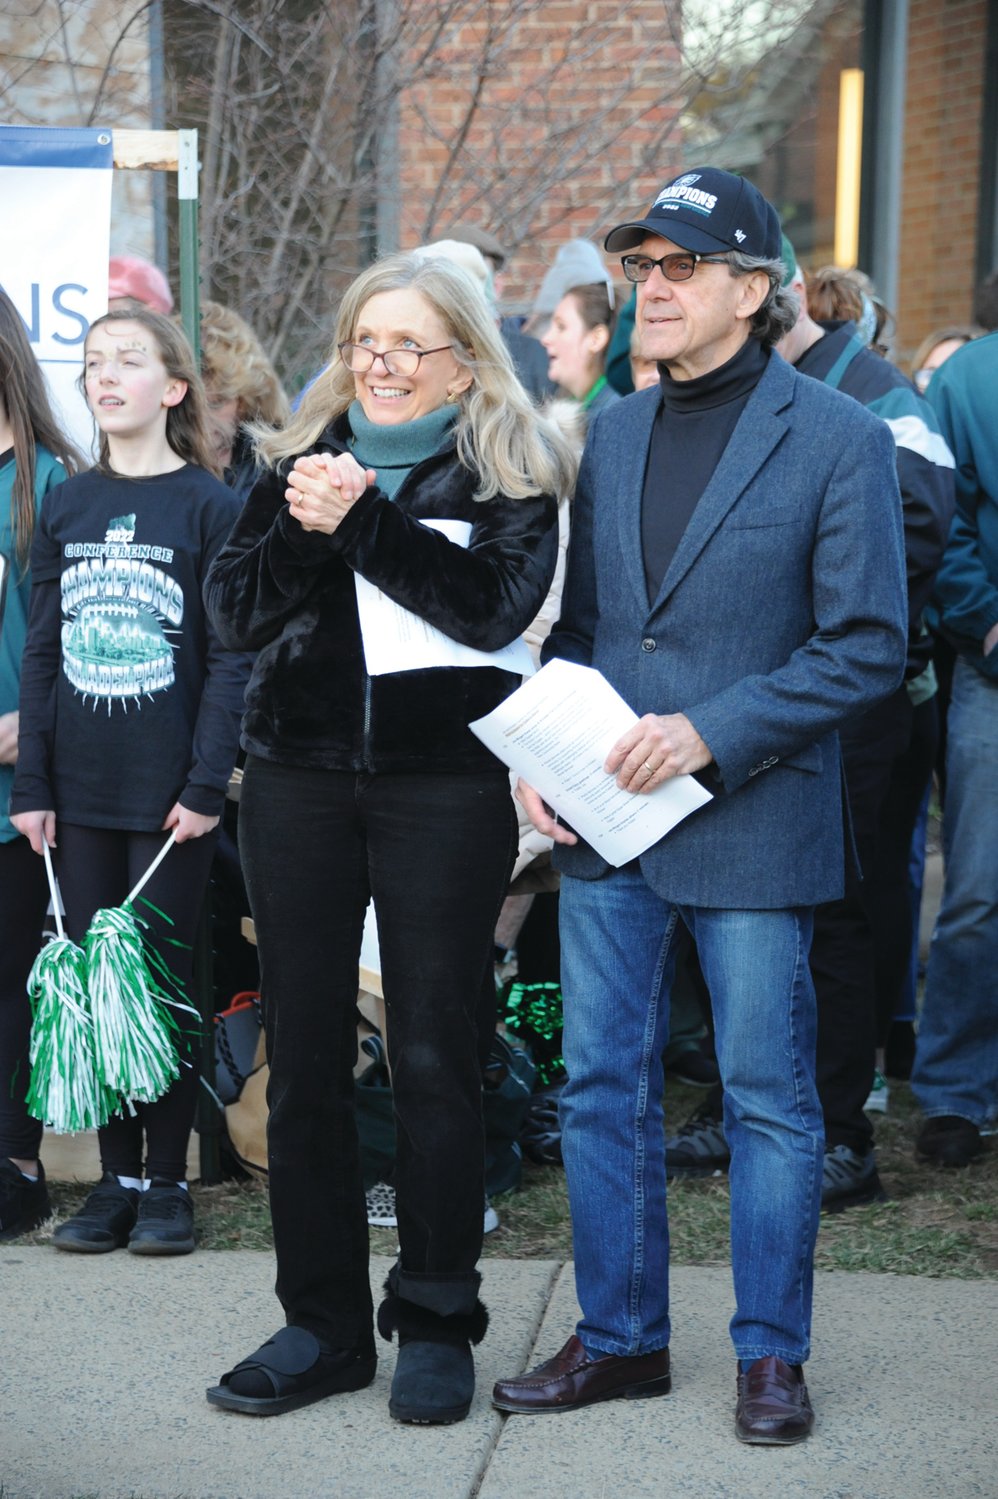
[
  {"x": 15, "y": 593},
  {"x": 962, "y": 394}
]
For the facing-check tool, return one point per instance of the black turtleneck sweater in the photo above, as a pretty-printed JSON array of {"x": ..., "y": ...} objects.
[{"x": 691, "y": 431}]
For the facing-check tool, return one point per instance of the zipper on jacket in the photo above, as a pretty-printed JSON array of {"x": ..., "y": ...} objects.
[
  {"x": 335, "y": 443},
  {"x": 367, "y": 722}
]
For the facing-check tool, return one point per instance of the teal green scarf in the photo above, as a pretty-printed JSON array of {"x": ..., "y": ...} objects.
[{"x": 393, "y": 450}]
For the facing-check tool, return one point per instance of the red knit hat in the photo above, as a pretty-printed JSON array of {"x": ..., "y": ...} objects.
[{"x": 130, "y": 276}]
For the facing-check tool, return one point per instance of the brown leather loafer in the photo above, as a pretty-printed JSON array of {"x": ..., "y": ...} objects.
[
  {"x": 773, "y": 1405},
  {"x": 572, "y": 1379}
]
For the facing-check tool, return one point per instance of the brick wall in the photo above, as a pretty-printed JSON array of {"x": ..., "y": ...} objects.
[
  {"x": 798, "y": 172},
  {"x": 573, "y": 128},
  {"x": 941, "y": 164}
]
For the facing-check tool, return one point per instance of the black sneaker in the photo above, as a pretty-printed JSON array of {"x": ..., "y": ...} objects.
[
  {"x": 949, "y": 1140},
  {"x": 540, "y": 1135},
  {"x": 698, "y": 1148},
  {"x": 848, "y": 1179},
  {"x": 104, "y": 1221},
  {"x": 166, "y": 1220},
  {"x": 23, "y": 1204}
]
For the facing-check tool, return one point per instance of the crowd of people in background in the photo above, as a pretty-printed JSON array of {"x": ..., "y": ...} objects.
[{"x": 434, "y": 455}]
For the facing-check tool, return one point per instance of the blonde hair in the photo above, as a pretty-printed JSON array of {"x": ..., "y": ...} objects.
[
  {"x": 234, "y": 367},
  {"x": 501, "y": 435},
  {"x": 965, "y": 332}
]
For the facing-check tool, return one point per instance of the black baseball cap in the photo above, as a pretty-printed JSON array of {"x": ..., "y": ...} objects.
[{"x": 707, "y": 210}]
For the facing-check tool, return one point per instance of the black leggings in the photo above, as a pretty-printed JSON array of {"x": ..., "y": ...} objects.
[
  {"x": 97, "y": 867},
  {"x": 843, "y": 951},
  {"x": 23, "y": 902}
]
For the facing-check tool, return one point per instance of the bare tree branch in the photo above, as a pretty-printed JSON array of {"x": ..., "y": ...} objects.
[{"x": 294, "y": 101}]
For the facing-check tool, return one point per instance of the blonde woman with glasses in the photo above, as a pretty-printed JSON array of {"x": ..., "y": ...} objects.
[{"x": 418, "y": 468}]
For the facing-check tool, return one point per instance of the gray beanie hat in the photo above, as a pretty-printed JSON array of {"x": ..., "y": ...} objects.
[{"x": 578, "y": 263}]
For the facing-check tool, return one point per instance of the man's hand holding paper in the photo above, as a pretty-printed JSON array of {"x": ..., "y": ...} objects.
[
  {"x": 561, "y": 731},
  {"x": 658, "y": 746}
]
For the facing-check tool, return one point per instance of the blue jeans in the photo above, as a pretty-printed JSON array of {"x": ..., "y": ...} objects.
[
  {"x": 956, "y": 1058},
  {"x": 618, "y": 946}
]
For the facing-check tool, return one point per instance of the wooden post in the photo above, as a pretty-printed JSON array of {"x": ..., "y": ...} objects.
[{"x": 172, "y": 151}]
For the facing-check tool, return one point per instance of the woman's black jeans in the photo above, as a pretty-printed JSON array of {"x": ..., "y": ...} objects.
[{"x": 435, "y": 853}]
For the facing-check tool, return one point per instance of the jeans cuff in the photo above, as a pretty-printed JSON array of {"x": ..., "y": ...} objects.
[
  {"x": 746, "y": 1356},
  {"x": 618, "y": 1350}
]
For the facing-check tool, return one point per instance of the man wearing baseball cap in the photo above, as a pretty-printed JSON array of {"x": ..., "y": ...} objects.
[{"x": 736, "y": 571}]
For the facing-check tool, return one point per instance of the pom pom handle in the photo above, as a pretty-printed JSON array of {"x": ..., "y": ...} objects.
[
  {"x": 143, "y": 882},
  {"x": 53, "y": 887}
]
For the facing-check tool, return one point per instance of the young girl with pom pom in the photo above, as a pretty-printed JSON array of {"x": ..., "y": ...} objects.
[
  {"x": 34, "y": 458},
  {"x": 129, "y": 722}
]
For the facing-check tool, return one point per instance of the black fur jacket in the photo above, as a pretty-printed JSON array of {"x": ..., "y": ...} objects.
[{"x": 289, "y": 594}]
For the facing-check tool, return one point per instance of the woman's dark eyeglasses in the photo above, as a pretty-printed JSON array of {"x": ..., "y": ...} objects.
[
  {"x": 676, "y": 267},
  {"x": 358, "y": 358}
]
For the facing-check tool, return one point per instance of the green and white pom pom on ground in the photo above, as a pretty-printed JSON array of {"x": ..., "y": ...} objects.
[{"x": 64, "y": 1091}]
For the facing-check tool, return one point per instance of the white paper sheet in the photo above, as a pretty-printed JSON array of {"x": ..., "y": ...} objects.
[
  {"x": 556, "y": 731},
  {"x": 395, "y": 639},
  {"x": 370, "y": 953}
]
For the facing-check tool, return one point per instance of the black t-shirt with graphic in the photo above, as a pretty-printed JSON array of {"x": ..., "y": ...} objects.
[{"x": 128, "y": 700}]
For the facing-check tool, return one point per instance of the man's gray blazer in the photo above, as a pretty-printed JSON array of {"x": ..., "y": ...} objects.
[{"x": 782, "y": 614}]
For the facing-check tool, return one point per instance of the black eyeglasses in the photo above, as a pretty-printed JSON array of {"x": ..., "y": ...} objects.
[
  {"x": 676, "y": 267},
  {"x": 358, "y": 358}
]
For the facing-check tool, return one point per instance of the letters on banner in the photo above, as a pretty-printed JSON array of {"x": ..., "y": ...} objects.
[{"x": 55, "y": 232}]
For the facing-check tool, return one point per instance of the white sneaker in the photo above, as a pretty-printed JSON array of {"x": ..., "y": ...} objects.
[
  {"x": 879, "y": 1095},
  {"x": 381, "y": 1209},
  {"x": 381, "y": 1206}
]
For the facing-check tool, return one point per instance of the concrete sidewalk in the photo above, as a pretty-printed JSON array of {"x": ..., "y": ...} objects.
[{"x": 106, "y": 1359}]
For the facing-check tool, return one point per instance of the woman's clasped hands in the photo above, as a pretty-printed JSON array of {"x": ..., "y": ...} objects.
[{"x": 323, "y": 486}]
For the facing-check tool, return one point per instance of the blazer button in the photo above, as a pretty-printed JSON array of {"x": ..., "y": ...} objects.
[{"x": 648, "y": 644}]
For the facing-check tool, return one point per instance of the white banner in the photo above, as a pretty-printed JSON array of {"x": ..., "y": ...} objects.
[{"x": 55, "y": 232}]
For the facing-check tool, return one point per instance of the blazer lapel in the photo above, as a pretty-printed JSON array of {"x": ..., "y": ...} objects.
[
  {"x": 759, "y": 429},
  {"x": 629, "y": 457}
]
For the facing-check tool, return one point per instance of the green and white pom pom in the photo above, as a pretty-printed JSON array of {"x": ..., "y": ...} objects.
[
  {"x": 63, "y": 1091},
  {"x": 134, "y": 1031}
]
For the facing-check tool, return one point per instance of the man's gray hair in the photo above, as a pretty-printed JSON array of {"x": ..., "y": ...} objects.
[{"x": 780, "y": 309}]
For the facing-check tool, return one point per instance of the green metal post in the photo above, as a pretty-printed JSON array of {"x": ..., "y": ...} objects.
[
  {"x": 190, "y": 281},
  {"x": 208, "y": 1119}
]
